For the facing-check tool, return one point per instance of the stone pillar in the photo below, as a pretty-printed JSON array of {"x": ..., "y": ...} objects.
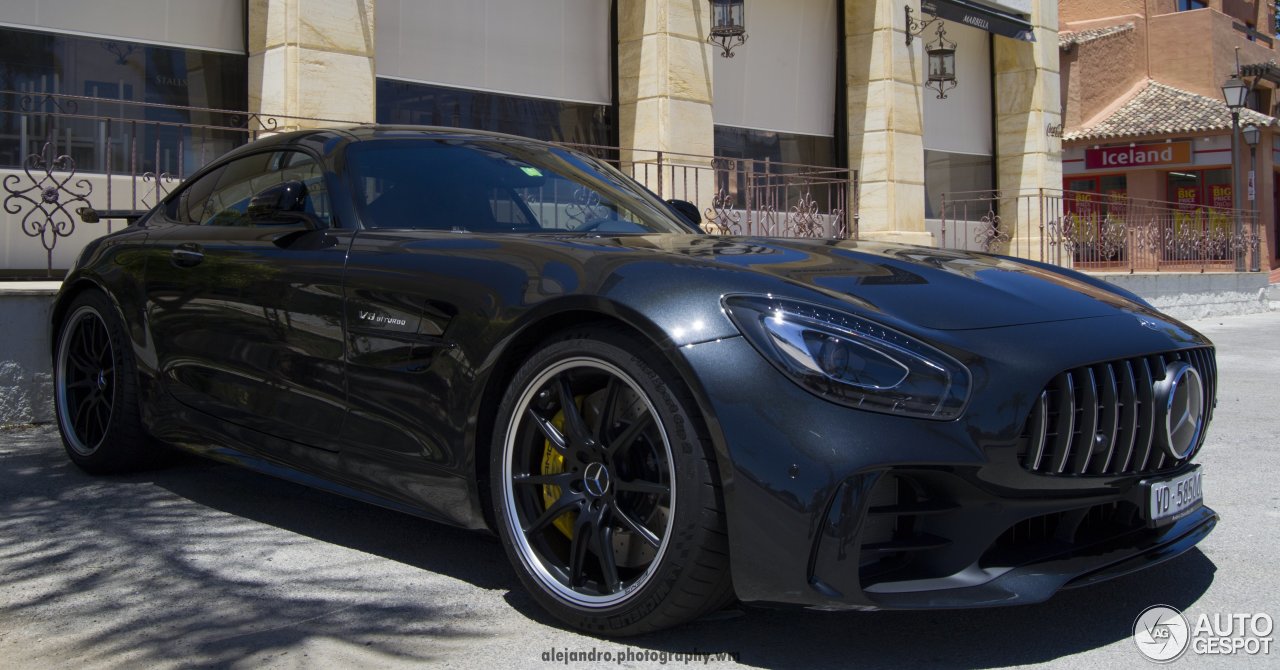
[
  {"x": 886, "y": 120},
  {"x": 1028, "y": 102},
  {"x": 664, "y": 94},
  {"x": 313, "y": 59}
]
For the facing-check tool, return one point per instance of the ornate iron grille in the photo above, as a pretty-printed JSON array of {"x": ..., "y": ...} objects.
[
  {"x": 1093, "y": 232},
  {"x": 61, "y": 152}
]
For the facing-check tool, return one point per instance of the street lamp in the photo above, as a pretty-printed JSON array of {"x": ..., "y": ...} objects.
[
  {"x": 728, "y": 25},
  {"x": 1251, "y": 135},
  {"x": 1234, "y": 92}
]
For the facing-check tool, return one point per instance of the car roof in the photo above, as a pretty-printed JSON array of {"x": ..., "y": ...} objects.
[{"x": 362, "y": 132}]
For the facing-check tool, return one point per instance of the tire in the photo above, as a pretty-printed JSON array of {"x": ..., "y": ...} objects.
[
  {"x": 96, "y": 389},
  {"x": 604, "y": 488}
]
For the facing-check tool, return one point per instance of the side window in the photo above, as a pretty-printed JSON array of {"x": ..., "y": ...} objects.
[
  {"x": 228, "y": 204},
  {"x": 188, "y": 205},
  {"x": 507, "y": 211}
]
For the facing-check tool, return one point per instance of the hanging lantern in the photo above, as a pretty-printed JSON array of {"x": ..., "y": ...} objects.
[
  {"x": 728, "y": 25},
  {"x": 942, "y": 64}
]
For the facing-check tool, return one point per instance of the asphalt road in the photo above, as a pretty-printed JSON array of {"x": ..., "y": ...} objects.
[{"x": 206, "y": 565}]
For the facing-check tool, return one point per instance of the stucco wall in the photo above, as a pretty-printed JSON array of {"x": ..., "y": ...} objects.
[
  {"x": 1084, "y": 10},
  {"x": 1244, "y": 10},
  {"x": 26, "y": 382},
  {"x": 1175, "y": 38},
  {"x": 1097, "y": 75}
]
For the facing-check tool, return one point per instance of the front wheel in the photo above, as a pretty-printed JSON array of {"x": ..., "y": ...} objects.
[{"x": 604, "y": 488}]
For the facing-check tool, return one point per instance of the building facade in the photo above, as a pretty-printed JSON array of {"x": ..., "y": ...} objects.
[
  {"x": 1145, "y": 115},
  {"x": 832, "y": 95}
]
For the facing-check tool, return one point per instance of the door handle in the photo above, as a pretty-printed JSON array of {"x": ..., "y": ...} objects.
[{"x": 187, "y": 255}]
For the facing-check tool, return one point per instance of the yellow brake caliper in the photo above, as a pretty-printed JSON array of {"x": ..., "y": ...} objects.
[{"x": 553, "y": 464}]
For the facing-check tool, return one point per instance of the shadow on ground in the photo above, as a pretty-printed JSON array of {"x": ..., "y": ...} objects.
[
  {"x": 144, "y": 561},
  {"x": 177, "y": 566}
]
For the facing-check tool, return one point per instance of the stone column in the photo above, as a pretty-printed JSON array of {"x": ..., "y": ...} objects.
[
  {"x": 313, "y": 59},
  {"x": 664, "y": 95},
  {"x": 885, "y": 117},
  {"x": 1028, "y": 102}
]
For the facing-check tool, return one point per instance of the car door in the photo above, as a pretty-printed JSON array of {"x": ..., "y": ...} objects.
[
  {"x": 245, "y": 312},
  {"x": 441, "y": 256}
]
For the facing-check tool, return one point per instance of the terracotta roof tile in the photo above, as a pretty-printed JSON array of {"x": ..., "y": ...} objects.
[
  {"x": 1159, "y": 109},
  {"x": 1069, "y": 39}
]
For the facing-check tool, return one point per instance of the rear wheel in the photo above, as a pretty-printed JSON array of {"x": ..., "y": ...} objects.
[
  {"x": 95, "y": 389},
  {"x": 604, "y": 488}
]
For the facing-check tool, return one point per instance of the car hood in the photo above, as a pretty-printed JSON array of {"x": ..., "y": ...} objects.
[{"x": 933, "y": 288}]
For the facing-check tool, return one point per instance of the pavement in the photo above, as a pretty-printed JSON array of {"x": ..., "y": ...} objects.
[{"x": 206, "y": 565}]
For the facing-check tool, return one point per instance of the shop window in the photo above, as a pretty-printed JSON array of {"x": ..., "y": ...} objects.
[
  {"x": 1086, "y": 194},
  {"x": 778, "y": 147},
  {"x": 773, "y": 156},
  {"x": 1195, "y": 191},
  {"x": 34, "y": 64},
  {"x": 953, "y": 175},
  {"x": 1200, "y": 188},
  {"x": 411, "y": 103}
]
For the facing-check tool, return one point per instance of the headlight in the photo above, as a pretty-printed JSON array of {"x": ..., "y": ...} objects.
[{"x": 851, "y": 360}]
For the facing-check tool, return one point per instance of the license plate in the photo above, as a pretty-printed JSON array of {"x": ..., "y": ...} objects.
[{"x": 1171, "y": 499}]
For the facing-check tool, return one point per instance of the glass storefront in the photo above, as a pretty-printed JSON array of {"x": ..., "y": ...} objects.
[
  {"x": 776, "y": 160},
  {"x": 402, "y": 102},
  {"x": 777, "y": 147},
  {"x": 958, "y": 143},
  {"x": 159, "y": 138},
  {"x": 1200, "y": 188},
  {"x": 949, "y": 174},
  {"x": 1110, "y": 185}
]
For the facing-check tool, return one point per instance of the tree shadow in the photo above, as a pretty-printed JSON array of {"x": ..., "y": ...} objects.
[
  {"x": 189, "y": 565},
  {"x": 213, "y": 565}
]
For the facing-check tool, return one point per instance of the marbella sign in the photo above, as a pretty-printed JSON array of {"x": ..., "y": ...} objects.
[{"x": 1140, "y": 155}]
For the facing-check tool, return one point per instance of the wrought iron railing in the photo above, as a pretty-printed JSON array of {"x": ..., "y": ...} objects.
[
  {"x": 61, "y": 152},
  {"x": 1099, "y": 233},
  {"x": 739, "y": 196}
]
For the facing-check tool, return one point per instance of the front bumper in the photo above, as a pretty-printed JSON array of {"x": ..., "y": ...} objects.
[
  {"x": 987, "y": 552},
  {"x": 837, "y": 508}
]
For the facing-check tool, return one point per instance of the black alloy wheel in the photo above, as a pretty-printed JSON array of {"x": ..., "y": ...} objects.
[
  {"x": 604, "y": 489},
  {"x": 95, "y": 389}
]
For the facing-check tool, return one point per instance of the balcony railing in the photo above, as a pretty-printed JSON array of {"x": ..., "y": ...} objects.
[
  {"x": 740, "y": 196},
  {"x": 1099, "y": 233},
  {"x": 62, "y": 152}
]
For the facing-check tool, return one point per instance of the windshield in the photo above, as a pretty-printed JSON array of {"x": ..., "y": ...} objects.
[{"x": 496, "y": 186}]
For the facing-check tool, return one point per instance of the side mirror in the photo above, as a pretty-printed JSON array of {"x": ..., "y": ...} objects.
[
  {"x": 282, "y": 204},
  {"x": 687, "y": 210}
]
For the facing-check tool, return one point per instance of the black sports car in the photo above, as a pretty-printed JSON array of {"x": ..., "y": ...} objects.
[{"x": 499, "y": 333}]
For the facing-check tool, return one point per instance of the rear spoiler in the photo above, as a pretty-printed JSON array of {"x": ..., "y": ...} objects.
[{"x": 91, "y": 215}]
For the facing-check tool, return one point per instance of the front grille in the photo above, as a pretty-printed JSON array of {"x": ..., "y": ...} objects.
[{"x": 1102, "y": 420}]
